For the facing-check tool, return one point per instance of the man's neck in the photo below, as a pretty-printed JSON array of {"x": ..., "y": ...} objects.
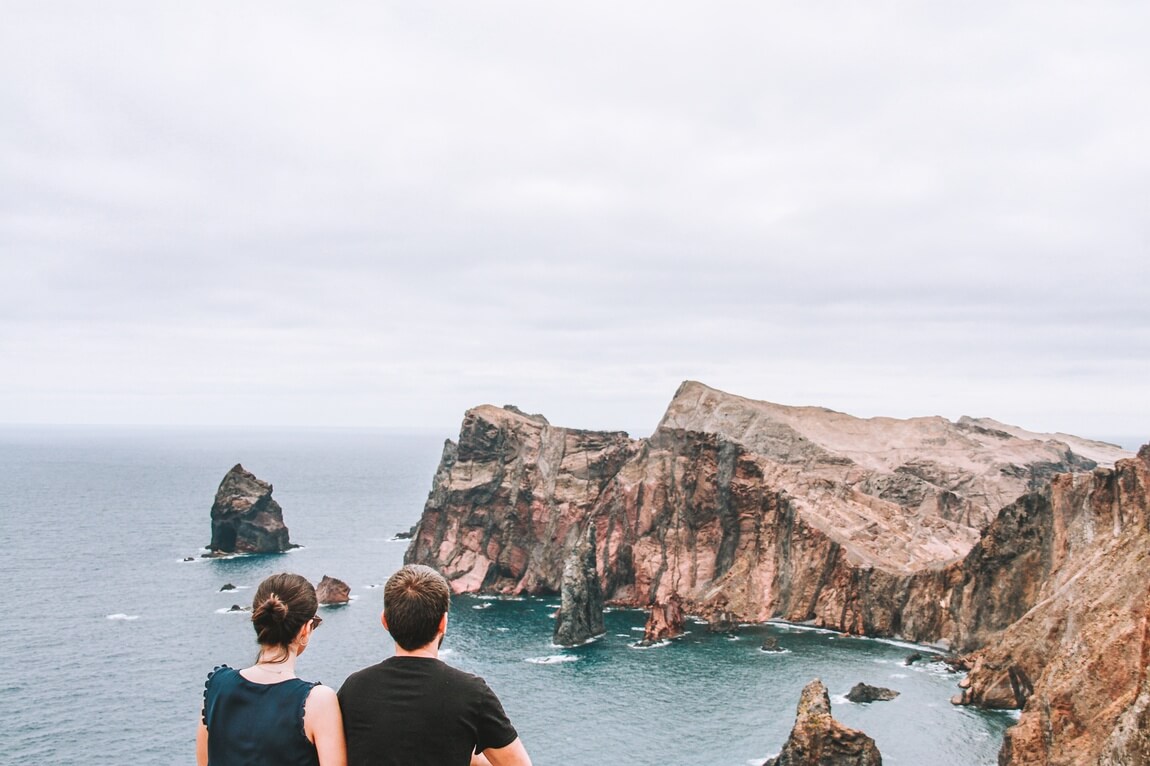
[{"x": 430, "y": 651}]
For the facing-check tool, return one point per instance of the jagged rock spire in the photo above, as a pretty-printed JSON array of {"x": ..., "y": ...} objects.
[
  {"x": 819, "y": 740},
  {"x": 580, "y": 616}
]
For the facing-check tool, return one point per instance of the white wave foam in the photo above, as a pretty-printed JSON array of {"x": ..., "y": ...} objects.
[
  {"x": 502, "y": 629},
  {"x": 122, "y": 616},
  {"x": 840, "y": 699},
  {"x": 553, "y": 659},
  {"x": 774, "y": 651},
  {"x": 656, "y": 645},
  {"x": 798, "y": 626},
  {"x": 898, "y": 675},
  {"x": 482, "y": 606},
  {"x": 229, "y": 610}
]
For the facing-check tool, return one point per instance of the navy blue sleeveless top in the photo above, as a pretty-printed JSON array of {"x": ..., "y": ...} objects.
[{"x": 252, "y": 724}]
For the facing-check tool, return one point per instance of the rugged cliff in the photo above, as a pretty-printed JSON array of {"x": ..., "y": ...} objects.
[
  {"x": 1030, "y": 550},
  {"x": 1077, "y": 659},
  {"x": 746, "y": 507}
]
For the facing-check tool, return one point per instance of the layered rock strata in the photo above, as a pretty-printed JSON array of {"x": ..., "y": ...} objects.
[
  {"x": 245, "y": 518},
  {"x": 580, "y": 615},
  {"x": 817, "y": 739},
  {"x": 744, "y": 510},
  {"x": 1077, "y": 660},
  {"x": 938, "y": 532}
]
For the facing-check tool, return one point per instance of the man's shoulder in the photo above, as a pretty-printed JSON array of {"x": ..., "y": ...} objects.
[
  {"x": 413, "y": 666},
  {"x": 461, "y": 676},
  {"x": 363, "y": 674}
]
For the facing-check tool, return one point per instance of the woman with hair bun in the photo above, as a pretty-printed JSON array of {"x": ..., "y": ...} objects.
[{"x": 263, "y": 715}]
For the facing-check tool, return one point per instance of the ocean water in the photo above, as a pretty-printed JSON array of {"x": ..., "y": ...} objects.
[{"x": 109, "y": 633}]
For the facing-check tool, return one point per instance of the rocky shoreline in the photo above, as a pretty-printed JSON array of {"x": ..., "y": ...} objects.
[{"x": 1021, "y": 551}]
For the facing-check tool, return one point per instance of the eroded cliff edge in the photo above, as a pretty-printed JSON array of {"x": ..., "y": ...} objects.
[
  {"x": 880, "y": 526},
  {"x": 764, "y": 510},
  {"x": 1077, "y": 661}
]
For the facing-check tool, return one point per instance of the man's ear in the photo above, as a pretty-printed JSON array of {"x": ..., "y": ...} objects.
[
  {"x": 383, "y": 619},
  {"x": 443, "y": 623}
]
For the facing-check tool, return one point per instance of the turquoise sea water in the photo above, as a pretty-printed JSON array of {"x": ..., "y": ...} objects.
[{"x": 109, "y": 634}]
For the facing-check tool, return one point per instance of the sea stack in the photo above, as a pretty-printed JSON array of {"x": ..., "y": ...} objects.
[
  {"x": 580, "y": 616},
  {"x": 664, "y": 622},
  {"x": 331, "y": 591},
  {"x": 245, "y": 518},
  {"x": 819, "y": 740}
]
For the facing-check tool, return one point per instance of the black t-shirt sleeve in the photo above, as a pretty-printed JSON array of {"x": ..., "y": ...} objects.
[{"x": 493, "y": 728}]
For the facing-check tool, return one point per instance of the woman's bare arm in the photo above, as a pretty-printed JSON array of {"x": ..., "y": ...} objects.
[
  {"x": 202, "y": 744},
  {"x": 324, "y": 726}
]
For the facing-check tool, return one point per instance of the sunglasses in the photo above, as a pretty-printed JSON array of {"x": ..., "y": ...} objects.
[{"x": 316, "y": 622}]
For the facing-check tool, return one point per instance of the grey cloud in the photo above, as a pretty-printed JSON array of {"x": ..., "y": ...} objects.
[{"x": 413, "y": 209}]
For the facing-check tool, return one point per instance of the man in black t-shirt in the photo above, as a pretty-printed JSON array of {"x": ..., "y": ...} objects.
[{"x": 413, "y": 709}]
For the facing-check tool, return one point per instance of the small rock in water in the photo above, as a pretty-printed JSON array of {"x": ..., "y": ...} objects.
[
  {"x": 723, "y": 621},
  {"x": 770, "y": 644},
  {"x": 331, "y": 591},
  {"x": 237, "y": 608},
  {"x": 227, "y": 586},
  {"x": 664, "y": 622},
  {"x": 867, "y": 693}
]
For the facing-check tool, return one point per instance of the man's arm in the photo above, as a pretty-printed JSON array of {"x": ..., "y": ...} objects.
[{"x": 514, "y": 754}]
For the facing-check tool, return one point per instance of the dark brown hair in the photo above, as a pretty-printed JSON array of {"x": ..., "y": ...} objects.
[
  {"x": 282, "y": 604},
  {"x": 414, "y": 600}
]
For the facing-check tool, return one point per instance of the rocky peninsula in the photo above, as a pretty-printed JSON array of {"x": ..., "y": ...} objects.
[{"x": 971, "y": 535}]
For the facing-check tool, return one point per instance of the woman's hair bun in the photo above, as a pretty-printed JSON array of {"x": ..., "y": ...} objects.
[
  {"x": 282, "y": 604},
  {"x": 271, "y": 609}
]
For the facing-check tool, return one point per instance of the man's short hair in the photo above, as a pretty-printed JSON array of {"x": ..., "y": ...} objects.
[{"x": 414, "y": 600}]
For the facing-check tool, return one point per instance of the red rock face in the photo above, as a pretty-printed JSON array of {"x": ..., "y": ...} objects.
[
  {"x": 866, "y": 538},
  {"x": 924, "y": 529},
  {"x": 1077, "y": 660}
]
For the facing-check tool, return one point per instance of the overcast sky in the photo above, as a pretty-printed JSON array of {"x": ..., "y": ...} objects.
[{"x": 382, "y": 214}]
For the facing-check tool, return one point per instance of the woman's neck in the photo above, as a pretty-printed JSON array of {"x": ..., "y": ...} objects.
[{"x": 279, "y": 662}]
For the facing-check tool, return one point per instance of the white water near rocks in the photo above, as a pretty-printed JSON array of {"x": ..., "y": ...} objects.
[{"x": 109, "y": 633}]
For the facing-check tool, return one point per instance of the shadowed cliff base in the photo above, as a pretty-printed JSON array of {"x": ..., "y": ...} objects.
[{"x": 745, "y": 511}]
